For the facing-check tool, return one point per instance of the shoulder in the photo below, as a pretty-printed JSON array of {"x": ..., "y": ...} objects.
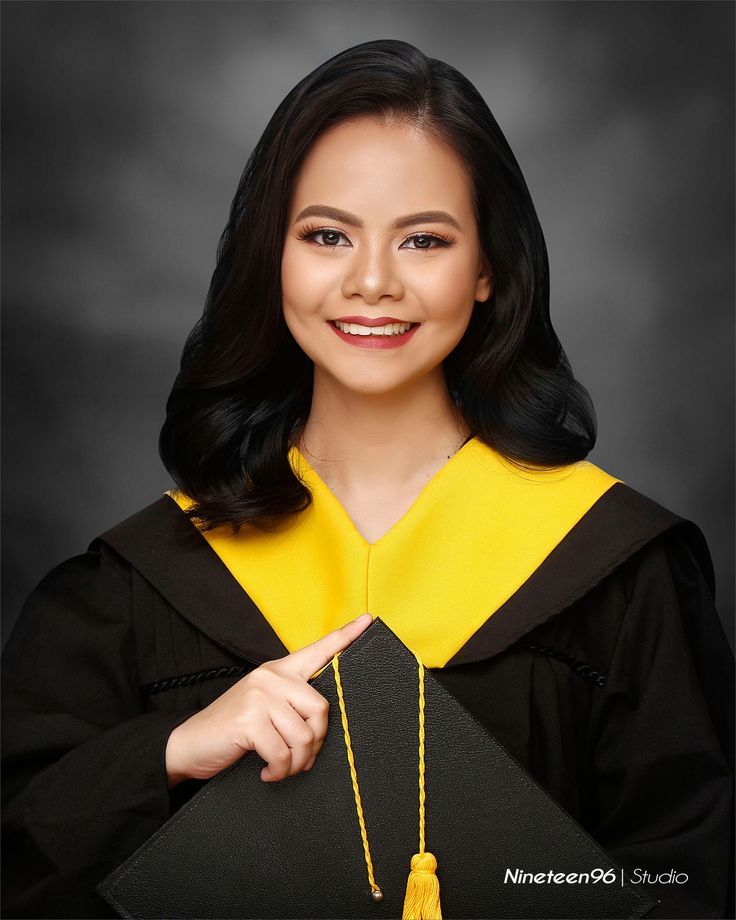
[
  {"x": 636, "y": 533},
  {"x": 659, "y": 563},
  {"x": 595, "y": 519},
  {"x": 661, "y": 548},
  {"x": 147, "y": 537},
  {"x": 92, "y": 589},
  {"x": 628, "y": 570},
  {"x": 678, "y": 551},
  {"x": 79, "y": 611},
  {"x": 625, "y": 539},
  {"x": 663, "y": 613},
  {"x": 159, "y": 518}
]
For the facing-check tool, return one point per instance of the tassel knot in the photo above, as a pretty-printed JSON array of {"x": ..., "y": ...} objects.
[
  {"x": 423, "y": 862},
  {"x": 422, "y": 900}
]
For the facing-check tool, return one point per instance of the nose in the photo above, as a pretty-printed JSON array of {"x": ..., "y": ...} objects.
[{"x": 372, "y": 273}]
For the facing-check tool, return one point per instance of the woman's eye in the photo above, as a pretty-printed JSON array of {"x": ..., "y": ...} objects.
[
  {"x": 330, "y": 239},
  {"x": 422, "y": 239}
]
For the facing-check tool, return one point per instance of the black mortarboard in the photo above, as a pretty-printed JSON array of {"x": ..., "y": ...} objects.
[{"x": 502, "y": 847}]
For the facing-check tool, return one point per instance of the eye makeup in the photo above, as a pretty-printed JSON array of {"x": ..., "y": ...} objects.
[{"x": 442, "y": 240}]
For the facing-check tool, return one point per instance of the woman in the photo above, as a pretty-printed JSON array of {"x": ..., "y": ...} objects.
[{"x": 374, "y": 393}]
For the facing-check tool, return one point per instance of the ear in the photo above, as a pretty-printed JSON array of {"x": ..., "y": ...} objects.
[{"x": 484, "y": 284}]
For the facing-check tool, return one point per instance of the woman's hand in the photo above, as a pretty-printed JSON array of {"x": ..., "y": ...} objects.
[{"x": 273, "y": 711}]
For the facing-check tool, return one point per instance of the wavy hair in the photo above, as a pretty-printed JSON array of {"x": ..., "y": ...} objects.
[{"x": 244, "y": 388}]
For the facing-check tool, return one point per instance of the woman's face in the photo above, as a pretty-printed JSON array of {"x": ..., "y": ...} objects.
[{"x": 358, "y": 249}]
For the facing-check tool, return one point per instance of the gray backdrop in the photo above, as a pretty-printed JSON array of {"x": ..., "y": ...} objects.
[{"x": 126, "y": 128}]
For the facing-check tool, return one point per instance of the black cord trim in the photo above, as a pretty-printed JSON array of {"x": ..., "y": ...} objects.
[
  {"x": 579, "y": 667},
  {"x": 184, "y": 680},
  {"x": 171, "y": 683}
]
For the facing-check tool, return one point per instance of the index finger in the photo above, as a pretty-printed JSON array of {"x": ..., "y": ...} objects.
[{"x": 308, "y": 661}]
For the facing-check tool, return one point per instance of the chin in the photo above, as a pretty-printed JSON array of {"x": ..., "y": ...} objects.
[
  {"x": 369, "y": 388},
  {"x": 370, "y": 385}
]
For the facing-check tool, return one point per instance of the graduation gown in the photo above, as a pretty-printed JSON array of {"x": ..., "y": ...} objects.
[{"x": 570, "y": 614}]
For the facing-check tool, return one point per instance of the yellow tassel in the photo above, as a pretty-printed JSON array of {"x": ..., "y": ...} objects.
[{"x": 422, "y": 900}]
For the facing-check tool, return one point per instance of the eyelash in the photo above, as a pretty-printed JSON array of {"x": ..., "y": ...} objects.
[{"x": 440, "y": 238}]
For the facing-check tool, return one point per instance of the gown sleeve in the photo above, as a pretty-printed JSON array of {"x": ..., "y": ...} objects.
[
  {"x": 663, "y": 782},
  {"x": 84, "y": 773}
]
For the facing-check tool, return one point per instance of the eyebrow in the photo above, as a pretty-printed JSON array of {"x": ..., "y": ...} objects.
[{"x": 345, "y": 217}]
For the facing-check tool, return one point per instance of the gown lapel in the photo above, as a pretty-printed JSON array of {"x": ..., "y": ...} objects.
[
  {"x": 173, "y": 556},
  {"x": 621, "y": 522}
]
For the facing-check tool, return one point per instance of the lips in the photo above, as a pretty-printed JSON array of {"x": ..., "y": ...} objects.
[
  {"x": 370, "y": 321},
  {"x": 373, "y": 340}
]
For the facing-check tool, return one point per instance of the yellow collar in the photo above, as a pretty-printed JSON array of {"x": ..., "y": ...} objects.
[{"x": 478, "y": 529}]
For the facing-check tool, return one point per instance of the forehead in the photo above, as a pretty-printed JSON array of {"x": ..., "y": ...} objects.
[{"x": 366, "y": 165}]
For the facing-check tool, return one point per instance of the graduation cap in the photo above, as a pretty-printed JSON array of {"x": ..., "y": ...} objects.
[{"x": 412, "y": 809}]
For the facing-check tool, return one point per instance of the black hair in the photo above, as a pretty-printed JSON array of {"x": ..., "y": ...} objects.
[{"x": 243, "y": 392}]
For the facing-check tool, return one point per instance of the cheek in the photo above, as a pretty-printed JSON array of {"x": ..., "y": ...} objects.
[
  {"x": 298, "y": 295},
  {"x": 305, "y": 279},
  {"x": 449, "y": 295}
]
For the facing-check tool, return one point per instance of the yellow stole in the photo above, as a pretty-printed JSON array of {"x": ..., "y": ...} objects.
[{"x": 476, "y": 532}]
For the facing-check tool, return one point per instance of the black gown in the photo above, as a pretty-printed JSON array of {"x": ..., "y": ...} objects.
[{"x": 613, "y": 667}]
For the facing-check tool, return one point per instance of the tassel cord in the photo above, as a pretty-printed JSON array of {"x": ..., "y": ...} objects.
[
  {"x": 354, "y": 778},
  {"x": 422, "y": 898}
]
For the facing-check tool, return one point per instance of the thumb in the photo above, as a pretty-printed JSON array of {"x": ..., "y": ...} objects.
[{"x": 307, "y": 661}]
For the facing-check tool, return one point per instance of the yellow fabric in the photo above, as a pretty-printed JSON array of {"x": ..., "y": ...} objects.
[{"x": 478, "y": 529}]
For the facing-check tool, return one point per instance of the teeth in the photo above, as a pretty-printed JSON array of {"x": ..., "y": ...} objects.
[{"x": 389, "y": 329}]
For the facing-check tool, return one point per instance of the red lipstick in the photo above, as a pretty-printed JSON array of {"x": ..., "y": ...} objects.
[
  {"x": 368, "y": 321},
  {"x": 371, "y": 340}
]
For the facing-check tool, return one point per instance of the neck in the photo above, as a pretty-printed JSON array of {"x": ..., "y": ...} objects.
[{"x": 353, "y": 438}]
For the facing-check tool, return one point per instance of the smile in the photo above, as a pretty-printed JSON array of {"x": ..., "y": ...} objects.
[
  {"x": 388, "y": 329},
  {"x": 392, "y": 335}
]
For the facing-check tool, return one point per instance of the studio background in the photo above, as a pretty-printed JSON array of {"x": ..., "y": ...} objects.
[{"x": 126, "y": 126}]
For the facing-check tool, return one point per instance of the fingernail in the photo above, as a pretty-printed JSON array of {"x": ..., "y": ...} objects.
[{"x": 363, "y": 617}]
